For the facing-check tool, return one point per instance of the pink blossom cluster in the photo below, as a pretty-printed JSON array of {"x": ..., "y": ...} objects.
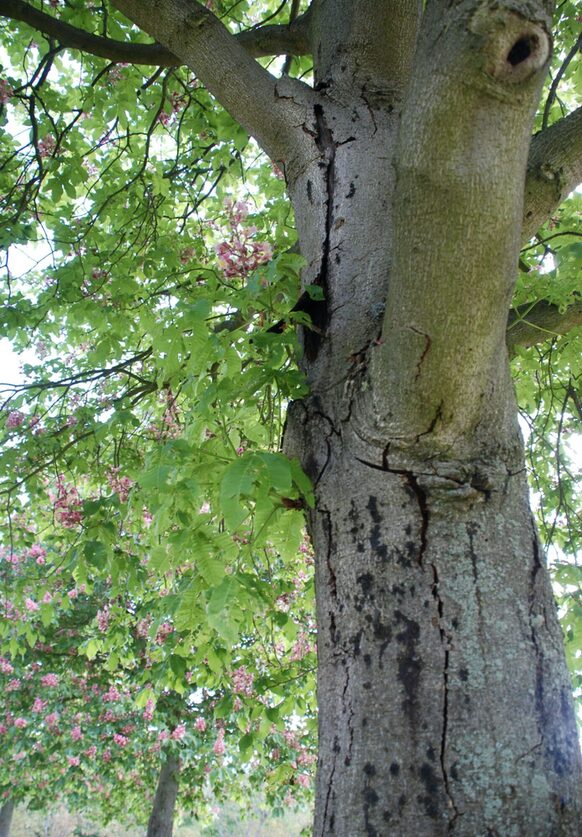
[
  {"x": 37, "y": 552},
  {"x": 46, "y": 146},
  {"x": 13, "y": 685},
  {"x": 241, "y": 255},
  {"x": 164, "y": 632},
  {"x": 200, "y": 725},
  {"x": 50, "y": 680},
  {"x": 170, "y": 421},
  {"x": 121, "y": 740},
  {"x": 219, "y": 745},
  {"x": 179, "y": 732},
  {"x": 148, "y": 712},
  {"x": 14, "y": 420},
  {"x": 143, "y": 626},
  {"x": 120, "y": 485},
  {"x": 103, "y": 619},
  {"x": 6, "y": 91},
  {"x": 111, "y": 695},
  {"x": 76, "y": 733},
  {"x": 31, "y": 605},
  {"x": 242, "y": 681},
  {"x": 67, "y": 504},
  {"x": 301, "y": 648}
]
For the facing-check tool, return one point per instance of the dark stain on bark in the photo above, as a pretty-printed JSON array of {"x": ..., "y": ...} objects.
[
  {"x": 454, "y": 772},
  {"x": 382, "y": 632},
  {"x": 395, "y": 768},
  {"x": 409, "y": 667},
  {"x": 463, "y": 674},
  {"x": 369, "y": 769},
  {"x": 366, "y": 582},
  {"x": 375, "y": 535},
  {"x": 431, "y": 753},
  {"x": 356, "y": 643},
  {"x": 372, "y": 507},
  {"x": 367, "y": 659},
  {"x": 309, "y": 191},
  {"x": 352, "y": 191}
]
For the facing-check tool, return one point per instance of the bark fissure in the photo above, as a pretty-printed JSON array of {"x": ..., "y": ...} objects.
[{"x": 327, "y": 148}]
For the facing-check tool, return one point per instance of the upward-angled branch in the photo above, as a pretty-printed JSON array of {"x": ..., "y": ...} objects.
[
  {"x": 466, "y": 188},
  {"x": 292, "y": 39},
  {"x": 530, "y": 324},
  {"x": 554, "y": 169},
  {"x": 190, "y": 31}
]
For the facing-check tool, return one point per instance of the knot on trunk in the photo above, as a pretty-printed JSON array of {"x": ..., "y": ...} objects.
[{"x": 515, "y": 49}]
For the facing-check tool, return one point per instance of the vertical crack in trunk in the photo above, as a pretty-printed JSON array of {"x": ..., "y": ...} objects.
[
  {"x": 320, "y": 315},
  {"x": 446, "y": 644},
  {"x": 533, "y": 618}
]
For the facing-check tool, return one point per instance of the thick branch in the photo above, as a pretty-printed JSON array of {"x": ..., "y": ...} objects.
[
  {"x": 250, "y": 94},
  {"x": 365, "y": 45},
  {"x": 461, "y": 161},
  {"x": 554, "y": 169},
  {"x": 530, "y": 324},
  {"x": 265, "y": 40}
]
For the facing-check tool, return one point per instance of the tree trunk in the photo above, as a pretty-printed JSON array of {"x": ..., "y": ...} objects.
[
  {"x": 6, "y": 812},
  {"x": 444, "y": 700},
  {"x": 445, "y": 705},
  {"x": 161, "y": 822}
]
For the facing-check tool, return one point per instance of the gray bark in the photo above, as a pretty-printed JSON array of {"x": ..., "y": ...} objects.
[
  {"x": 6, "y": 811},
  {"x": 161, "y": 822}
]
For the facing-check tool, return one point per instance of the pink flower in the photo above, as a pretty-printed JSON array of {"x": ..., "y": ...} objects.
[
  {"x": 14, "y": 420},
  {"x": 163, "y": 632},
  {"x": 76, "y": 733},
  {"x": 200, "y": 725},
  {"x": 120, "y": 740},
  {"x": 219, "y": 746},
  {"x": 303, "y": 780},
  {"x": 13, "y": 685},
  {"x": 179, "y": 732},
  {"x": 242, "y": 681},
  {"x": 20, "y": 723},
  {"x": 3, "y": 729},
  {"x": 6, "y": 91},
  {"x": 50, "y": 680},
  {"x": 46, "y": 146},
  {"x": 148, "y": 712},
  {"x": 112, "y": 694},
  {"x": 47, "y": 598},
  {"x": 51, "y": 719},
  {"x": 120, "y": 485},
  {"x": 91, "y": 751},
  {"x": 5, "y": 666},
  {"x": 103, "y": 619},
  {"x": 39, "y": 705},
  {"x": 31, "y": 605},
  {"x": 74, "y": 761},
  {"x": 67, "y": 506},
  {"x": 164, "y": 735},
  {"x": 36, "y": 551}
]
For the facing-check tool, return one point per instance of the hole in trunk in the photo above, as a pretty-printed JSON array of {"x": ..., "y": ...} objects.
[{"x": 522, "y": 49}]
